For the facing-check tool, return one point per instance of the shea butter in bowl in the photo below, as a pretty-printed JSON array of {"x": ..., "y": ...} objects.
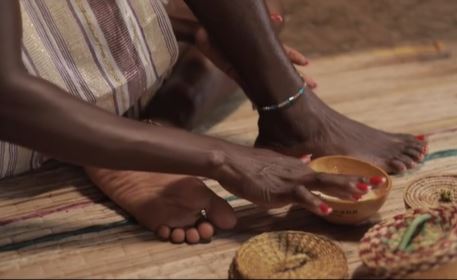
[{"x": 347, "y": 211}]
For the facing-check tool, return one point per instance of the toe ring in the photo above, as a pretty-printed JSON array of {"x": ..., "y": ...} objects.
[{"x": 203, "y": 214}]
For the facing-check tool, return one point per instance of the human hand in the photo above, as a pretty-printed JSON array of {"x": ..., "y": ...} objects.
[{"x": 269, "y": 179}]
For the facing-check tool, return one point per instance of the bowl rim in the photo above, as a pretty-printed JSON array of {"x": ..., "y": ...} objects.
[{"x": 341, "y": 201}]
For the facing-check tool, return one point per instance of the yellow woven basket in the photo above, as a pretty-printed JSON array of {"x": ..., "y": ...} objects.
[
  {"x": 289, "y": 255},
  {"x": 430, "y": 191}
]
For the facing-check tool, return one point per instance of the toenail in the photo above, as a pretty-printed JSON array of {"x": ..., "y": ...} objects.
[
  {"x": 178, "y": 235},
  {"x": 205, "y": 230},
  {"x": 363, "y": 187},
  {"x": 192, "y": 236},
  {"x": 163, "y": 232},
  {"x": 325, "y": 209},
  {"x": 377, "y": 180},
  {"x": 420, "y": 137},
  {"x": 425, "y": 149}
]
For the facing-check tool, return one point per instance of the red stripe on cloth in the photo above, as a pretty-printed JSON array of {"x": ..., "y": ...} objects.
[
  {"x": 120, "y": 44},
  {"x": 94, "y": 56}
]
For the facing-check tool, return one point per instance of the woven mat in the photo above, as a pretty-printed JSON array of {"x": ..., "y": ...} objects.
[{"x": 54, "y": 223}]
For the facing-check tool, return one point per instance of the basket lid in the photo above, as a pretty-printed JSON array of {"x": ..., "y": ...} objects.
[
  {"x": 288, "y": 254},
  {"x": 434, "y": 245},
  {"x": 432, "y": 191}
]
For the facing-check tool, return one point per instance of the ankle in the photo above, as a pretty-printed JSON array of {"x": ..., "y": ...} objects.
[
  {"x": 279, "y": 129},
  {"x": 301, "y": 123},
  {"x": 292, "y": 118}
]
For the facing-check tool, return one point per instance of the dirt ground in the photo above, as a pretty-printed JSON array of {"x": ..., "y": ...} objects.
[{"x": 319, "y": 27}]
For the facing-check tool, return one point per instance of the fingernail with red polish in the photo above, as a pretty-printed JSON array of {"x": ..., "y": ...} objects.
[
  {"x": 356, "y": 196},
  {"x": 276, "y": 18},
  {"x": 306, "y": 158},
  {"x": 377, "y": 180},
  {"x": 325, "y": 209},
  {"x": 420, "y": 137},
  {"x": 363, "y": 187}
]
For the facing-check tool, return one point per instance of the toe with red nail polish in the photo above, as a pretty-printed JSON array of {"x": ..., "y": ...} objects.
[
  {"x": 420, "y": 137},
  {"x": 425, "y": 149}
]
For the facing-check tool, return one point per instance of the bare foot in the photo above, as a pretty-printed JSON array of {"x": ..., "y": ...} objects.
[
  {"x": 169, "y": 205},
  {"x": 311, "y": 127}
]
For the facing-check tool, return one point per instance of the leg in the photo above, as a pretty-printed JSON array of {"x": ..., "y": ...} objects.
[
  {"x": 170, "y": 204},
  {"x": 309, "y": 126},
  {"x": 323, "y": 131},
  {"x": 189, "y": 94}
]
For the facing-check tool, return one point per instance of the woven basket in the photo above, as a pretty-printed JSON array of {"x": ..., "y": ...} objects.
[
  {"x": 288, "y": 255},
  {"x": 426, "y": 192},
  {"x": 434, "y": 249}
]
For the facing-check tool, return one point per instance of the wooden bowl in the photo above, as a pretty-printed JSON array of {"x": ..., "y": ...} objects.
[{"x": 346, "y": 211}]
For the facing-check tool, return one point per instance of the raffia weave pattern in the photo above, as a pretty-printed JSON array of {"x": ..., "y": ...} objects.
[
  {"x": 378, "y": 253},
  {"x": 426, "y": 192},
  {"x": 289, "y": 255}
]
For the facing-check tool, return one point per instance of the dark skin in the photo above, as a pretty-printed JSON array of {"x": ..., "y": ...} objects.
[
  {"x": 261, "y": 176},
  {"x": 190, "y": 88},
  {"x": 309, "y": 125},
  {"x": 302, "y": 127},
  {"x": 279, "y": 78}
]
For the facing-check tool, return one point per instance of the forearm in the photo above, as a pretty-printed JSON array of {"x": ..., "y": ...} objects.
[
  {"x": 241, "y": 29},
  {"x": 42, "y": 117},
  {"x": 36, "y": 114}
]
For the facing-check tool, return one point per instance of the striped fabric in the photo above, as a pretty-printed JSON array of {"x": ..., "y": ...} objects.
[{"x": 111, "y": 53}]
